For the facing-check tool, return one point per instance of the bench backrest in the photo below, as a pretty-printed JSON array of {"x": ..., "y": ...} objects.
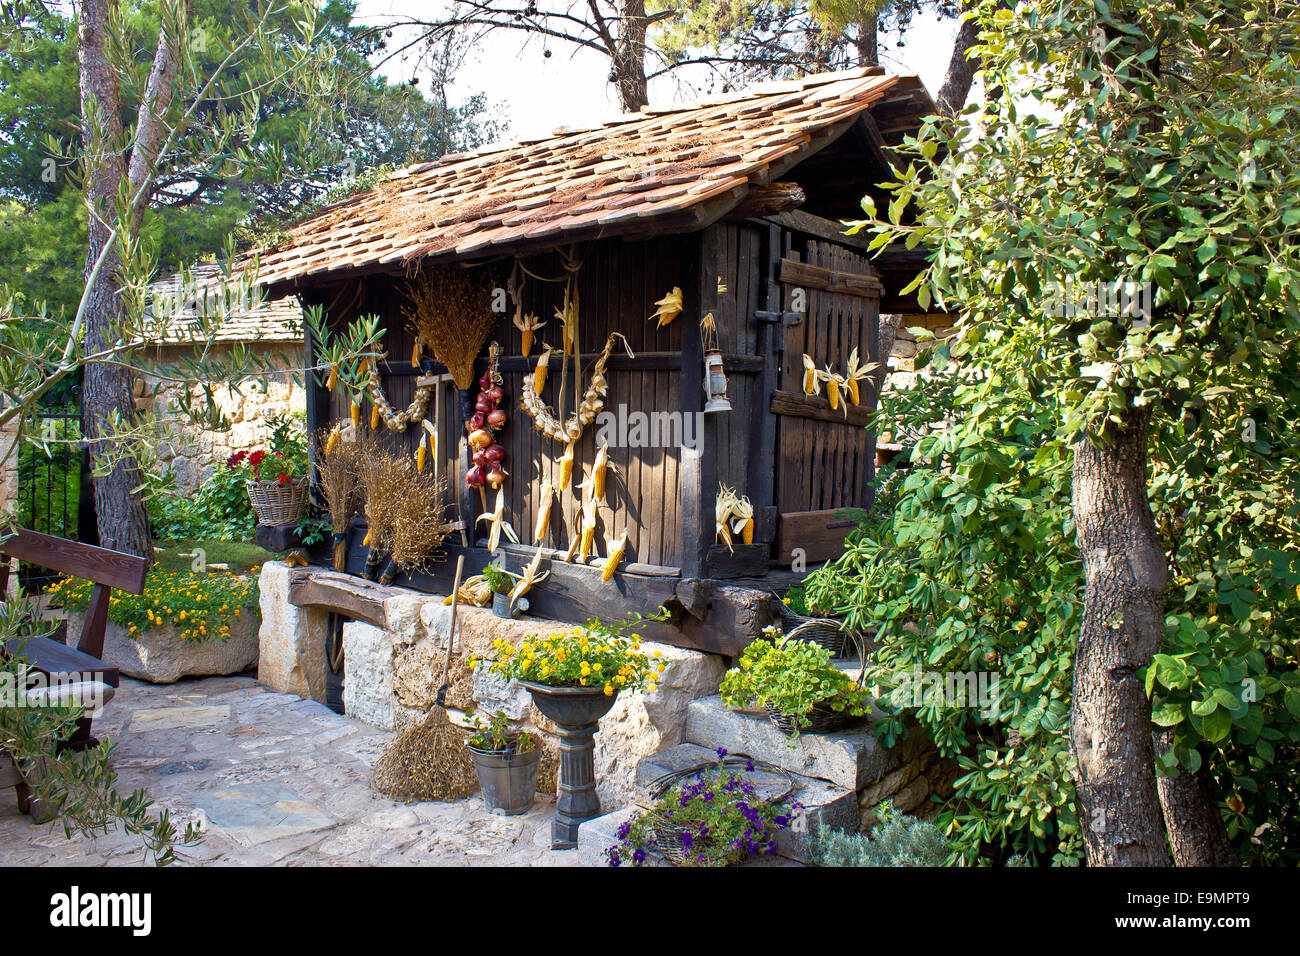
[{"x": 106, "y": 568}]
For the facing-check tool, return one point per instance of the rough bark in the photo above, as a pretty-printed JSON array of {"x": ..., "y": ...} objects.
[
  {"x": 886, "y": 332},
  {"x": 868, "y": 42},
  {"x": 1197, "y": 836},
  {"x": 961, "y": 70},
  {"x": 1123, "y": 618},
  {"x": 629, "y": 57},
  {"x": 122, "y": 521}
]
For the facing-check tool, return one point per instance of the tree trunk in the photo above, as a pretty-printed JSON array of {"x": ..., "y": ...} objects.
[
  {"x": 1123, "y": 618},
  {"x": 122, "y": 521},
  {"x": 886, "y": 332},
  {"x": 1197, "y": 835},
  {"x": 629, "y": 57},
  {"x": 868, "y": 42},
  {"x": 961, "y": 71}
]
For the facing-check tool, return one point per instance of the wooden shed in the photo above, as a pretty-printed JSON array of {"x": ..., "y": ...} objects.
[{"x": 736, "y": 201}]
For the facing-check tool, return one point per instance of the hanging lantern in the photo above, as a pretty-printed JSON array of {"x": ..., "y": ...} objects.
[{"x": 715, "y": 377}]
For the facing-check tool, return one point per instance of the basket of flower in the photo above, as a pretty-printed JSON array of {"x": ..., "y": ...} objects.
[
  {"x": 275, "y": 478},
  {"x": 710, "y": 815},
  {"x": 796, "y": 683}
]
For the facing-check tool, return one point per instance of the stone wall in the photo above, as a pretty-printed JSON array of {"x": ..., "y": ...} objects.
[
  {"x": 920, "y": 773},
  {"x": 192, "y": 451},
  {"x": 392, "y": 674},
  {"x": 9, "y": 483}
]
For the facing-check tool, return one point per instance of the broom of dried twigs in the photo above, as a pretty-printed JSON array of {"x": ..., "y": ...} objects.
[
  {"x": 449, "y": 313},
  {"x": 337, "y": 462}
]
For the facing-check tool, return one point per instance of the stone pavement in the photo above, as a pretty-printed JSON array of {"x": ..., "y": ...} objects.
[{"x": 276, "y": 780}]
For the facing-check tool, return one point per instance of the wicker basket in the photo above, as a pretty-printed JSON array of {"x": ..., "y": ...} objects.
[
  {"x": 825, "y": 632},
  {"x": 276, "y": 503},
  {"x": 822, "y": 719},
  {"x": 668, "y": 836}
]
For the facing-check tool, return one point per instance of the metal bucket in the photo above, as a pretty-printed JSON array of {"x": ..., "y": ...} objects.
[{"x": 508, "y": 780}]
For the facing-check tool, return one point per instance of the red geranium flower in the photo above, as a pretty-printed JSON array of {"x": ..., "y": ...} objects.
[
  {"x": 283, "y": 479},
  {"x": 235, "y": 460}
]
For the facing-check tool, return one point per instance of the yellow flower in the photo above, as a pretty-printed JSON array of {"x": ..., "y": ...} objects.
[{"x": 609, "y": 690}]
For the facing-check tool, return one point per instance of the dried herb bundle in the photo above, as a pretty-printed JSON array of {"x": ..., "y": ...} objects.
[
  {"x": 426, "y": 762},
  {"x": 384, "y": 481},
  {"x": 420, "y": 525},
  {"x": 449, "y": 312},
  {"x": 338, "y": 461}
]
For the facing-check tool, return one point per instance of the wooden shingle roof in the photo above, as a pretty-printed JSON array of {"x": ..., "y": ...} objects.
[
  {"x": 266, "y": 322},
  {"x": 658, "y": 170}
]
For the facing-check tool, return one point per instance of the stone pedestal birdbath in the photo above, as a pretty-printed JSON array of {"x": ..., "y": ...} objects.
[{"x": 576, "y": 711}]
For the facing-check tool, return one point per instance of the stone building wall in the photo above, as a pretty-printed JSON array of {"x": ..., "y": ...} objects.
[
  {"x": 9, "y": 482},
  {"x": 192, "y": 451}
]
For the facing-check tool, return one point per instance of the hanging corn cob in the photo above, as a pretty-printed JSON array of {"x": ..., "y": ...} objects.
[
  {"x": 743, "y": 520},
  {"x": 725, "y": 508},
  {"x": 598, "y": 470},
  {"x": 529, "y": 577},
  {"x": 355, "y": 413},
  {"x": 566, "y": 466},
  {"x": 332, "y": 382},
  {"x": 333, "y": 442},
  {"x": 528, "y": 326},
  {"x": 588, "y": 530},
  {"x": 834, "y": 382},
  {"x": 415, "y": 353},
  {"x": 539, "y": 373},
  {"x": 421, "y": 454},
  {"x": 544, "y": 512},
  {"x": 374, "y": 417},
  {"x": 670, "y": 306},
  {"x": 855, "y": 373},
  {"x": 810, "y": 376},
  {"x": 497, "y": 522},
  {"x": 615, "y": 557}
]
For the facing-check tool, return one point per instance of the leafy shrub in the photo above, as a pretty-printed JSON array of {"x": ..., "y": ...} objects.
[
  {"x": 790, "y": 677},
  {"x": 219, "y": 508},
  {"x": 895, "y": 840},
  {"x": 201, "y": 606}
]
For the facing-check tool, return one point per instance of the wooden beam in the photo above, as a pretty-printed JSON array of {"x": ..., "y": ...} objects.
[
  {"x": 697, "y": 469},
  {"x": 822, "y": 228},
  {"x": 823, "y": 279},
  {"x": 818, "y": 534},
  {"x": 818, "y": 409},
  {"x": 765, "y": 199}
]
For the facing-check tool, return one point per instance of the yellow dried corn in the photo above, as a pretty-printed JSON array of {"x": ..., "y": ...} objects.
[
  {"x": 544, "y": 512},
  {"x": 433, "y": 439},
  {"x": 366, "y": 539},
  {"x": 415, "y": 353},
  {"x": 833, "y": 392},
  {"x": 748, "y": 533},
  {"x": 375, "y": 417},
  {"x": 355, "y": 412},
  {"x": 809, "y": 376},
  {"x": 420, "y": 456},
  {"x": 854, "y": 396},
  {"x": 566, "y": 466},
  {"x": 333, "y": 379},
  {"x": 588, "y": 529},
  {"x": 539, "y": 373},
  {"x": 332, "y": 442},
  {"x": 670, "y": 306},
  {"x": 527, "y": 326},
  {"x": 598, "y": 473},
  {"x": 615, "y": 557}
]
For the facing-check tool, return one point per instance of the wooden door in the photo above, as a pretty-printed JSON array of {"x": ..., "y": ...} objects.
[{"x": 826, "y": 462}]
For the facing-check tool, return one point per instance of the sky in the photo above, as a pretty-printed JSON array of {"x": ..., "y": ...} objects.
[{"x": 536, "y": 94}]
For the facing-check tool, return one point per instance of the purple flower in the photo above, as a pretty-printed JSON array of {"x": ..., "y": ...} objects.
[
  {"x": 722, "y": 752},
  {"x": 638, "y": 858},
  {"x": 624, "y": 829},
  {"x": 687, "y": 839},
  {"x": 749, "y": 766},
  {"x": 612, "y": 856}
]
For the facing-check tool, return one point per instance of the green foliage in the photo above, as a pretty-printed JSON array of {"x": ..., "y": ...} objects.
[
  {"x": 1166, "y": 157},
  {"x": 790, "y": 676},
  {"x": 500, "y": 734},
  {"x": 895, "y": 840},
  {"x": 497, "y": 579},
  {"x": 219, "y": 508},
  {"x": 78, "y": 786}
]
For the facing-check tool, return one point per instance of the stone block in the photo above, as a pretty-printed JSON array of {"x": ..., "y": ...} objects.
[
  {"x": 161, "y": 656},
  {"x": 291, "y": 640},
  {"x": 368, "y": 663},
  {"x": 851, "y": 758}
]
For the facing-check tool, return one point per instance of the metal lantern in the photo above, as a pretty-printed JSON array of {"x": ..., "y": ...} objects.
[{"x": 715, "y": 377}]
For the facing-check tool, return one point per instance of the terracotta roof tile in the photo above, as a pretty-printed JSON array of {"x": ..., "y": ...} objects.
[{"x": 605, "y": 180}]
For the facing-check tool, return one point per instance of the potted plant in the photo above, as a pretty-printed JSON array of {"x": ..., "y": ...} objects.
[
  {"x": 796, "y": 683},
  {"x": 501, "y": 583},
  {"x": 506, "y": 760},
  {"x": 713, "y": 818},
  {"x": 276, "y": 476},
  {"x": 574, "y": 677}
]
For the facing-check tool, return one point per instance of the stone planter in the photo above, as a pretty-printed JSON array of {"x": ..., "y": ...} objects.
[
  {"x": 159, "y": 656},
  {"x": 575, "y": 712},
  {"x": 507, "y": 780}
]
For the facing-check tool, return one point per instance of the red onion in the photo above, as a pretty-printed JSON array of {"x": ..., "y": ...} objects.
[
  {"x": 475, "y": 477},
  {"x": 494, "y": 453},
  {"x": 494, "y": 394},
  {"x": 497, "y": 417}
]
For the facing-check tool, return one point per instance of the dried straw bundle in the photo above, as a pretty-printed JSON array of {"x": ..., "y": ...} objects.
[
  {"x": 384, "y": 480},
  {"x": 449, "y": 313},
  {"x": 419, "y": 524},
  {"x": 337, "y": 465}
]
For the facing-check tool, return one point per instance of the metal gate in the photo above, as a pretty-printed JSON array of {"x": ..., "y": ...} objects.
[{"x": 49, "y": 485}]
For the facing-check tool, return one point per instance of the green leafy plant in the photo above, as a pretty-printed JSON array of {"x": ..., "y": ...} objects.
[
  {"x": 499, "y": 734},
  {"x": 790, "y": 677},
  {"x": 498, "y": 580},
  {"x": 717, "y": 819},
  {"x": 79, "y": 787},
  {"x": 895, "y": 840}
]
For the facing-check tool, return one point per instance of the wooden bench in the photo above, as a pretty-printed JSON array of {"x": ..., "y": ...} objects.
[{"x": 50, "y": 655}]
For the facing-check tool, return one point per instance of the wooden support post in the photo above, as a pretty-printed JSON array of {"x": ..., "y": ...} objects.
[{"x": 698, "y": 471}]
